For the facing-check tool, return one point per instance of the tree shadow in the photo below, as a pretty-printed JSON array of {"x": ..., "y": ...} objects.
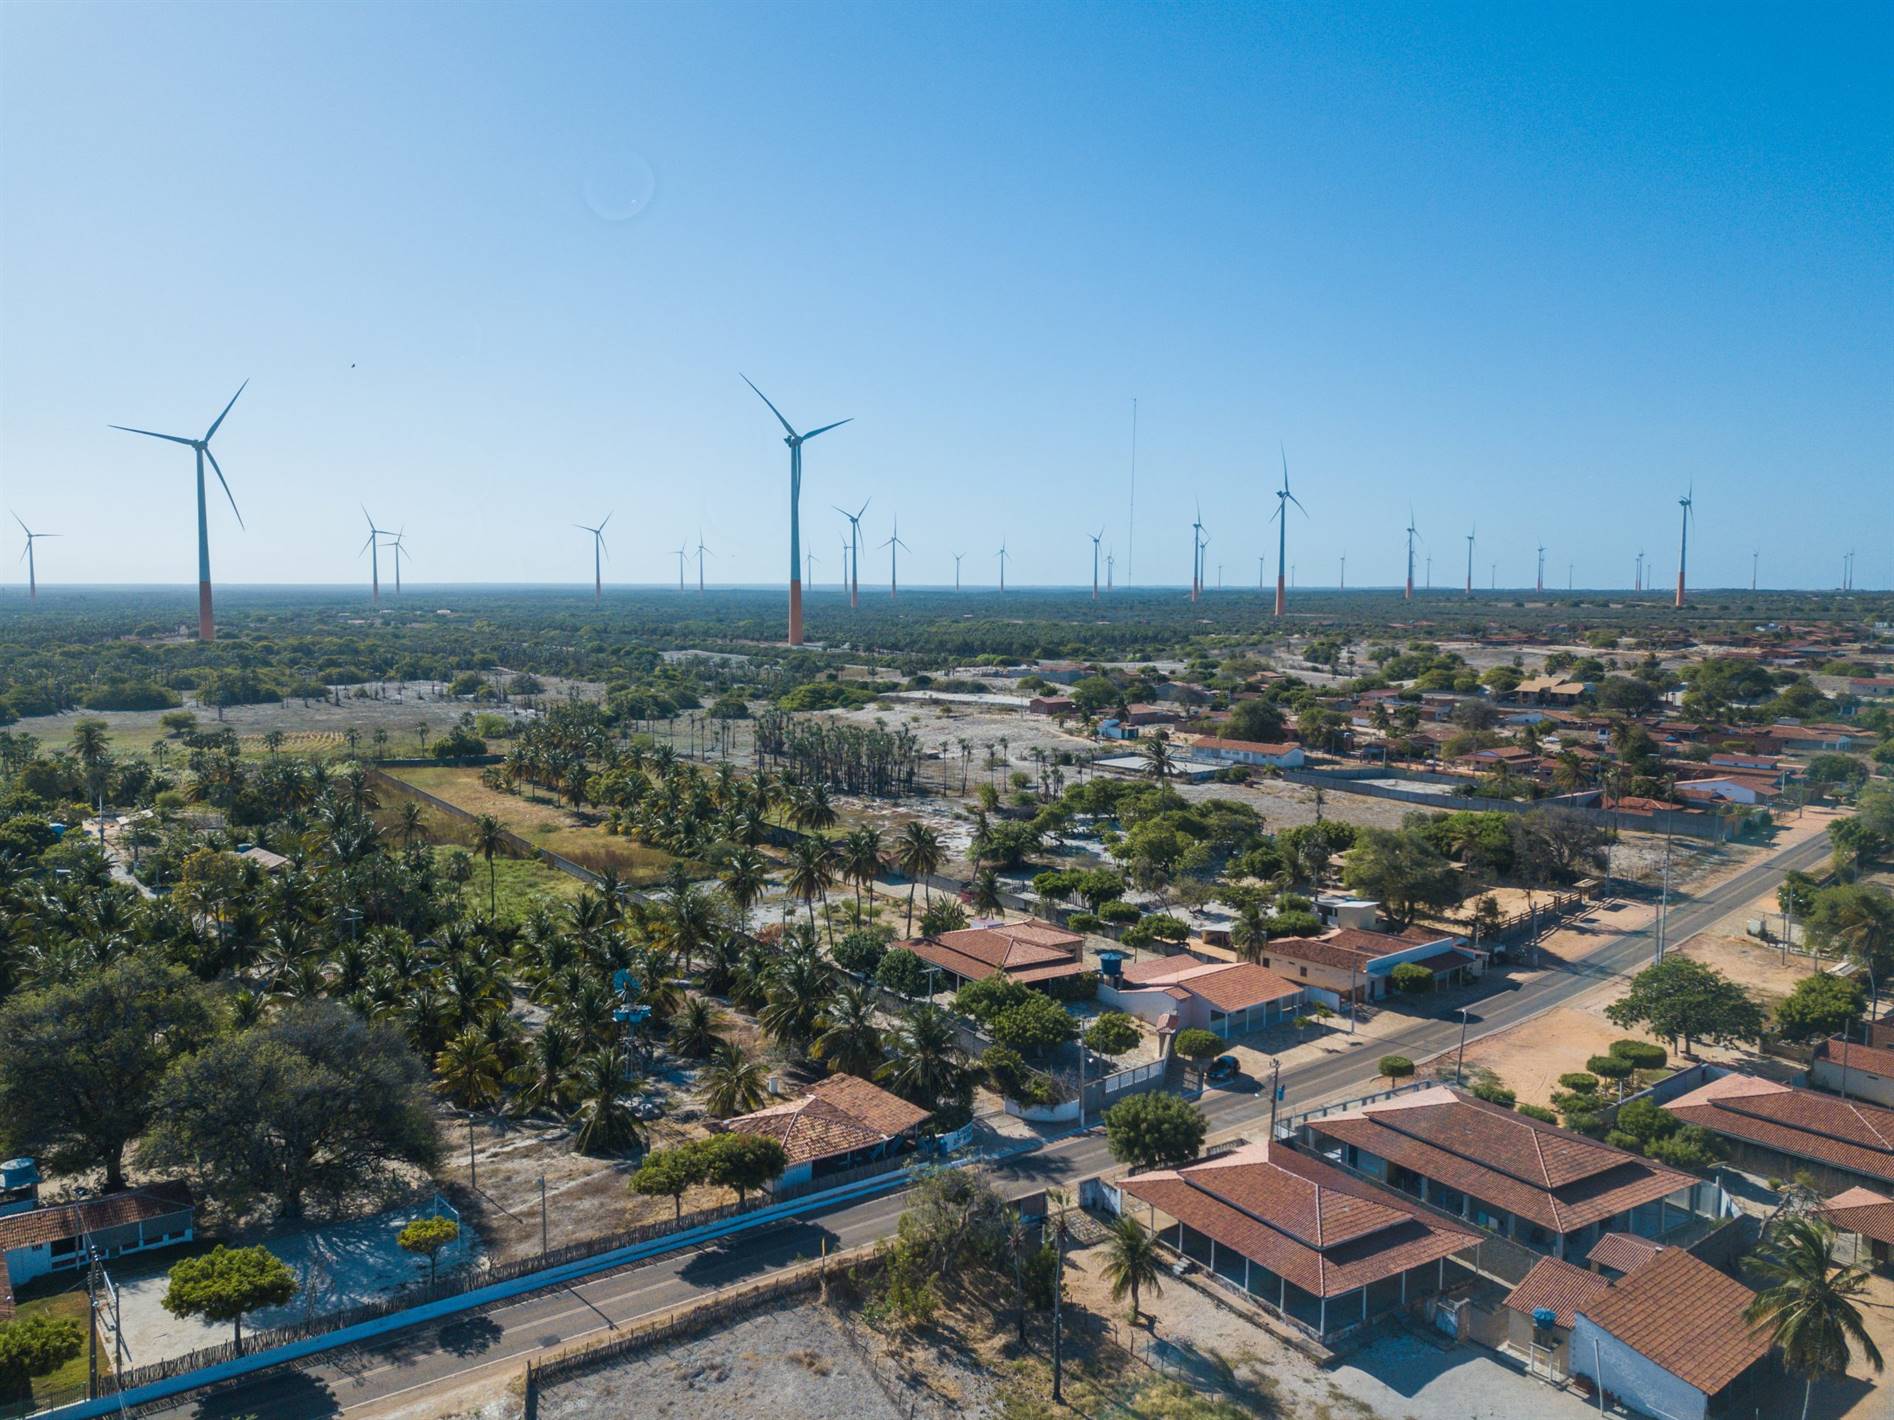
[
  {"x": 280, "y": 1395},
  {"x": 469, "y": 1336}
]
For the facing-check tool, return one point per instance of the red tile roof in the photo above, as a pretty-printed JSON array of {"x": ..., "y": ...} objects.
[
  {"x": 114, "y": 1210},
  {"x": 1029, "y": 951},
  {"x": 842, "y": 1113},
  {"x": 1869, "y": 1059},
  {"x": 1862, "y": 1210},
  {"x": 1227, "y": 986},
  {"x": 1549, "y": 1176},
  {"x": 1685, "y": 1316},
  {"x": 1623, "y": 1252},
  {"x": 1558, "y": 1285},
  {"x": 1301, "y": 1217},
  {"x": 1826, "y": 1129},
  {"x": 1251, "y": 746}
]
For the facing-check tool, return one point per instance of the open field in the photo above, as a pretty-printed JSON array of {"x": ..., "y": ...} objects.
[
  {"x": 538, "y": 819},
  {"x": 62, "y": 1385}
]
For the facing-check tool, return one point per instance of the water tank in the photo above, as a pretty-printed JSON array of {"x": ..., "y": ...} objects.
[{"x": 1111, "y": 965}]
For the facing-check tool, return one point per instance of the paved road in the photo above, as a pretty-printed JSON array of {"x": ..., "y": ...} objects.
[{"x": 488, "y": 1348}]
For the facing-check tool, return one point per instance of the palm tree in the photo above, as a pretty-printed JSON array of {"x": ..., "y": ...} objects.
[
  {"x": 1250, "y": 933},
  {"x": 410, "y": 819},
  {"x": 695, "y": 1028},
  {"x": 986, "y": 892},
  {"x": 861, "y": 861},
  {"x": 801, "y": 986},
  {"x": 1809, "y": 1308},
  {"x": 489, "y": 839},
  {"x": 732, "y": 1084},
  {"x": 811, "y": 870},
  {"x": 1132, "y": 1262},
  {"x": 602, "y": 1122},
  {"x": 469, "y": 1068},
  {"x": 926, "y": 1064},
  {"x": 850, "y": 1040},
  {"x": 918, "y": 854},
  {"x": 545, "y": 1078},
  {"x": 1159, "y": 762},
  {"x": 745, "y": 876}
]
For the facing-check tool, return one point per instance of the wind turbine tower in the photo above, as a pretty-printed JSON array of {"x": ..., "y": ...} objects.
[
  {"x": 1001, "y": 554},
  {"x": 598, "y": 552},
  {"x": 1637, "y": 583},
  {"x": 373, "y": 548},
  {"x": 1196, "y": 554},
  {"x": 1755, "y": 557},
  {"x": 1111, "y": 561},
  {"x": 894, "y": 546},
  {"x": 1470, "y": 562},
  {"x": 1540, "y": 585},
  {"x": 1412, "y": 533},
  {"x": 681, "y": 550},
  {"x": 1095, "y": 541},
  {"x": 32, "y": 573},
  {"x": 795, "y": 442},
  {"x": 701, "y": 550},
  {"x": 957, "y": 557},
  {"x": 206, "y": 622},
  {"x": 401, "y": 551},
  {"x": 853, "y": 565},
  {"x": 1687, "y": 503},
  {"x": 1283, "y": 499},
  {"x": 1343, "y": 584}
]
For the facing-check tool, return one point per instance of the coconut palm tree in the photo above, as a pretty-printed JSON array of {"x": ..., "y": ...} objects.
[
  {"x": 695, "y": 1028},
  {"x": 1132, "y": 1262},
  {"x": 918, "y": 854},
  {"x": 469, "y": 1070},
  {"x": 409, "y": 820},
  {"x": 602, "y": 1122},
  {"x": 985, "y": 890},
  {"x": 849, "y": 1039},
  {"x": 925, "y": 1062},
  {"x": 489, "y": 839},
  {"x": 1809, "y": 1307},
  {"x": 811, "y": 870},
  {"x": 745, "y": 876},
  {"x": 545, "y": 1078},
  {"x": 1249, "y": 934},
  {"x": 800, "y": 990},
  {"x": 1159, "y": 762},
  {"x": 732, "y": 1084},
  {"x": 861, "y": 861}
]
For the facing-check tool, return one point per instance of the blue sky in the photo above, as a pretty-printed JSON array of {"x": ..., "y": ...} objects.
[{"x": 493, "y": 270}]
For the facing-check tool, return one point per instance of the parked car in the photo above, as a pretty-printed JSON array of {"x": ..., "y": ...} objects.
[{"x": 1225, "y": 1067}]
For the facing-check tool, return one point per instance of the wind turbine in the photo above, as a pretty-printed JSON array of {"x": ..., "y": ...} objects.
[
  {"x": 206, "y": 623},
  {"x": 1754, "y": 558},
  {"x": 894, "y": 546},
  {"x": 1637, "y": 584},
  {"x": 701, "y": 550},
  {"x": 957, "y": 557},
  {"x": 373, "y": 549},
  {"x": 1343, "y": 584},
  {"x": 1001, "y": 554},
  {"x": 1412, "y": 533},
  {"x": 1283, "y": 499},
  {"x": 1202, "y": 543},
  {"x": 845, "y": 566},
  {"x": 681, "y": 550},
  {"x": 1095, "y": 541},
  {"x": 401, "y": 551},
  {"x": 809, "y": 560},
  {"x": 1540, "y": 585},
  {"x": 598, "y": 551},
  {"x": 853, "y": 565},
  {"x": 32, "y": 574},
  {"x": 795, "y": 442},
  {"x": 1687, "y": 502},
  {"x": 1470, "y": 562},
  {"x": 1196, "y": 554}
]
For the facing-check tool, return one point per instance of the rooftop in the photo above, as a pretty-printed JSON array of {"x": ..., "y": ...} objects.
[
  {"x": 1557, "y": 1285},
  {"x": 1862, "y": 1210},
  {"x": 1845, "y": 1134},
  {"x": 843, "y": 1113},
  {"x": 1685, "y": 1316}
]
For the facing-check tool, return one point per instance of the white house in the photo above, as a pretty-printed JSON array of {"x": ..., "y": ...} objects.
[
  {"x": 1251, "y": 752},
  {"x": 58, "y": 1238}
]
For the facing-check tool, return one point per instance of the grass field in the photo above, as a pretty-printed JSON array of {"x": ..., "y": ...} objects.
[
  {"x": 537, "y": 819},
  {"x": 521, "y": 884},
  {"x": 68, "y": 1382}
]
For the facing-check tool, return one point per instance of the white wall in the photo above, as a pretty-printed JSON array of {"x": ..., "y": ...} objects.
[
  {"x": 1827, "y": 1074},
  {"x": 1640, "y": 1383}
]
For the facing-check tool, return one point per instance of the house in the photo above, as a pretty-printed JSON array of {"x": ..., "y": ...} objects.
[
  {"x": 266, "y": 860},
  {"x": 1777, "y": 1130},
  {"x": 841, "y": 1124},
  {"x": 1743, "y": 761},
  {"x": 1251, "y": 752},
  {"x": 1727, "y": 789},
  {"x": 1324, "y": 1250},
  {"x": 1060, "y": 672},
  {"x": 1138, "y": 716},
  {"x": 1546, "y": 1188},
  {"x": 1051, "y": 705},
  {"x": 1032, "y": 952},
  {"x": 1868, "y": 1215},
  {"x": 1549, "y": 690},
  {"x": 1354, "y": 963},
  {"x": 1854, "y": 1071},
  {"x": 1541, "y": 1312},
  {"x": 1228, "y": 998},
  {"x": 1620, "y": 1253},
  {"x": 1874, "y": 687},
  {"x": 57, "y": 1238},
  {"x": 1669, "y": 1338}
]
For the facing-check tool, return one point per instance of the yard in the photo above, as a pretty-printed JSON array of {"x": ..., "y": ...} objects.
[{"x": 69, "y": 1381}]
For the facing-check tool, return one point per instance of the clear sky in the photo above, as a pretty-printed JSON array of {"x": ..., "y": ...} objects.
[{"x": 494, "y": 269}]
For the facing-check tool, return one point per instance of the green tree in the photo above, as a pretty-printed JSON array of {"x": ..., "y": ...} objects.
[
  {"x": 742, "y": 1161},
  {"x": 671, "y": 1173},
  {"x": 1153, "y": 1131},
  {"x": 1820, "y": 1006},
  {"x": 1199, "y": 1047},
  {"x": 468, "y": 1069},
  {"x": 315, "y": 1101},
  {"x": 849, "y": 1039},
  {"x": 82, "y": 1061},
  {"x": 602, "y": 1122},
  {"x": 36, "y": 1345},
  {"x": 1400, "y": 869},
  {"x": 1682, "y": 999},
  {"x": 1394, "y": 1068},
  {"x": 1133, "y": 1263},
  {"x": 696, "y": 1028},
  {"x": 926, "y": 1065},
  {"x": 733, "y": 1084},
  {"x": 1809, "y": 1307},
  {"x": 1111, "y": 1033},
  {"x": 902, "y": 972},
  {"x": 226, "y": 1283},
  {"x": 425, "y": 1237},
  {"x": 1855, "y": 918},
  {"x": 1160, "y": 762},
  {"x": 918, "y": 854},
  {"x": 1035, "y": 1025},
  {"x": 489, "y": 839}
]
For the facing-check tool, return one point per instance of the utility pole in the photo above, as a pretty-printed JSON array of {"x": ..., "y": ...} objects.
[
  {"x": 1058, "y": 1292},
  {"x": 1275, "y": 1094},
  {"x": 543, "y": 1248},
  {"x": 473, "y": 1175},
  {"x": 1460, "y": 1064}
]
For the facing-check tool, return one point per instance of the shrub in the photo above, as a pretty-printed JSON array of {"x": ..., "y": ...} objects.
[
  {"x": 1580, "y": 1081},
  {"x": 1034, "y": 1026},
  {"x": 1112, "y": 1033},
  {"x": 1395, "y": 1067},
  {"x": 1084, "y": 922},
  {"x": 902, "y": 972},
  {"x": 36, "y": 1346},
  {"x": 1152, "y": 1131},
  {"x": 986, "y": 999},
  {"x": 1494, "y": 1093},
  {"x": 1166, "y": 928},
  {"x": 1119, "y": 913},
  {"x": 943, "y": 914},
  {"x": 1610, "y": 1067},
  {"x": 861, "y": 951},
  {"x": 1199, "y": 1047},
  {"x": 1412, "y": 978},
  {"x": 1538, "y": 1112},
  {"x": 1643, "y": 1054},
  {"x": 1006, "y": 1071}
]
